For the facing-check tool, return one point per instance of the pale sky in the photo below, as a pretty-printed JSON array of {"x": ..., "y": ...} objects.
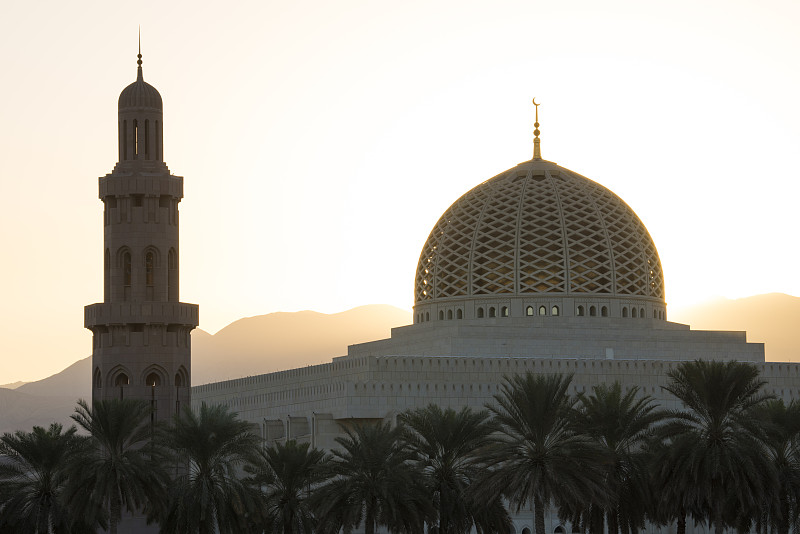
[{"x": 320, "y": 141}]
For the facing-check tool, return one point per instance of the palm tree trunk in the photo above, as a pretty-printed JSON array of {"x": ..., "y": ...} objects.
[
  {"x": 611, "y": 518},
  {"x": 369, "y": 520},
  {"x": 682, "y": 524},
  {"x": 538, "y": 515},
  {"x": 114, "y": 514}
]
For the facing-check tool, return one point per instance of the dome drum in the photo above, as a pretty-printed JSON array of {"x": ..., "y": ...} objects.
[
  {"x": 539, "y": 235},
  {"x": 588, "y": 307}
]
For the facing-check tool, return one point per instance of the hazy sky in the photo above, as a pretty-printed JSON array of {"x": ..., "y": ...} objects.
[{"x": 320, "y": 141}]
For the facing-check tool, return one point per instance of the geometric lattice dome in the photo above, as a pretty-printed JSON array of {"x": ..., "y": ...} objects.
[{"x": 539, "y": 230}]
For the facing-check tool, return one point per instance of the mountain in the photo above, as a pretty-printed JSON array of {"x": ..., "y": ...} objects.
[
  {"x": 771, "y": 319},
  {"x": 277, "y": 341},
  {"x": 13, "y": 385}
]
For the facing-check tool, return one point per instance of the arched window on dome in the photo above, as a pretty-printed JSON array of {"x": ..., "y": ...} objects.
[
  {"x": 427, "y": 316},
  {"x": 604, "y": 311},
  {"x": 580, "y": 311},
  {"x": 641, "y": 313},
  {"x": 449, "y": 315},
  {"x": 492, "y": 312},
  {"x": 554, "y": 311},
  {"x": 504, "y": 311},
  {"x": 625, "y": 311},
  {"x": 655, "y": 314},
  {"x": 121, "y": 380},
  {"x": 633, "y": 313},
  {"x": 459, "y": 314},
  {"x": 592, "y": 311},
  {"x": 542, "y": 310},
  {"x": 480, "y": 313},
  {"x": 98, "y": 382},
  {"x": 124, "y": 140},
  {"x": 529, "y": 311},
  {"x": 441, "y": 315},
  {"x": 126, "y": 275}
]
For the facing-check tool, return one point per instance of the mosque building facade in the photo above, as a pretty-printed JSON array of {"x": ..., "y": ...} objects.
[{"x": 537, "y": 269}]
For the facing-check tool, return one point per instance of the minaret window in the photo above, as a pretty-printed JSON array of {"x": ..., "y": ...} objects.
[
  {"x": 126, "y": 275},
  {"x": 147, "y": 139},
  {"x": 121, "y": 380},
  {"x": 107, "y": 276},
  {"x": 149, "y": 268},
  {"x": 98, "y": 383},
  {"x": 157, "y": 145},
  {"x": 136, "y": 138},
  {"x": 124, "y": 139},
  {"x": 153, "y": 380},
  {"x": 172, "y": 275}
]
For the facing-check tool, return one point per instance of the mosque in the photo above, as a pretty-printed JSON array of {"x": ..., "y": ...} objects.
[{"x": 536, "y": 269}]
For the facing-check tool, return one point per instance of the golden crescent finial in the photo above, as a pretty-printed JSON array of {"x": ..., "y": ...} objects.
[{"x": 537, "y": 154}]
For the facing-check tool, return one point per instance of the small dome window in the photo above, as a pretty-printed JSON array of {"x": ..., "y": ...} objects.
[
  {"x": 492, "y": 312},
  {"x": 504, "y": 311},
  {"x": 604, "y": 311},
  {"x": 592, "y": 311},
  {"x": 542, "y": 310},
  {"x": 641, "y": 313},
  {"x": 480, "y": 313},
  {"x": 441, "y": 315},
  {"x": 427, "y": 316},
  {"x": 459, "y": 314},
  {"x": 580, "y": 311},
  {"x": 633, "y": 313},
  {"x": 529, "y": 311},
  {"x": 449, "y": 315},
  {"x": 625, "y": 311},
  {"x": 554, "y": 311}
]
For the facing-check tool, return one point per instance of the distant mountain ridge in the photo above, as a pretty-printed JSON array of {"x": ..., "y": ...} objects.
[{"x": 285, "y": 340}]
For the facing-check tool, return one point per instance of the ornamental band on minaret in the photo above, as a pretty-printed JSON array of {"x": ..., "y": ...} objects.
[{"x": 141, "y": 332}]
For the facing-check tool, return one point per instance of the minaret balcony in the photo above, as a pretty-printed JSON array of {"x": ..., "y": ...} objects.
[{"x": 116, "y": 313}]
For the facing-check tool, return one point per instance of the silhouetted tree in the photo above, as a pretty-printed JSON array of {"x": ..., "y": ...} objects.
[
  {"x": 286, "y": 476},
  {"x": 537, "y": 456},
  {"x": 123, "y": 467},
  {"x": 374, "y": 482},
  {"x": 33, "y": 474},
  {"x": 209, "y": 494},
  {"x": 718, "y": 444},
  {"x": 446, "y": 445}
]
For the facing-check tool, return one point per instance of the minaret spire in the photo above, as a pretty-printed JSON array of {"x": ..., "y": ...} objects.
[
  {"x": 537, "y": 151},
  {"x": 139, "y": 61}
]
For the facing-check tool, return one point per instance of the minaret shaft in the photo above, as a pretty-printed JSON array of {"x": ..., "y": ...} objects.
[{"x": 141, "y": 332}]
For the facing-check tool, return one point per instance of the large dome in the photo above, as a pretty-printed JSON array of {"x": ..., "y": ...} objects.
[{"x": 539, "y": 239}]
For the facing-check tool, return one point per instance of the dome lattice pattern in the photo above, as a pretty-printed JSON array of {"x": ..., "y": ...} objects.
[{"x": 538, "y": 229}]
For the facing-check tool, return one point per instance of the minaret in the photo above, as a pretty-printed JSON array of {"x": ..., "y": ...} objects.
[{"x": 141, "y": 342}]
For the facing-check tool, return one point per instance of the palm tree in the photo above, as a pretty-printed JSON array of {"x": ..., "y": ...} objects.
[
  {"x": 372, "y": 482},
  {"x": 213, "y": 448},
  {"x": 123, "y": 466},
  {"x": 32, "y": 480},
  {"x": 446, "y": 444},
  {"x": 718, "y": 443},
  {"x": 286, "y": 477},
  {"x": 538, "y": 457},
  {"x": 622, "y": 425},
  {"x": 782, "y": 511}
]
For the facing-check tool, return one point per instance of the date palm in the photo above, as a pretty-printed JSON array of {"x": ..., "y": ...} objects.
[
  {"x": 782, "y": 510},
  {"x": 373, "y": 482},
  {"x": 622, "y": 425},
  {"x": 32, "y": 479},
  {"x": 538, "y": 457},
  {"x": 717, "y": 442},
  {"x": 123, "y": 467},
  {"x": 286, "y": 476},
  {"x": 447, "y": 445},
  {"x": 209, "y": 494}
]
